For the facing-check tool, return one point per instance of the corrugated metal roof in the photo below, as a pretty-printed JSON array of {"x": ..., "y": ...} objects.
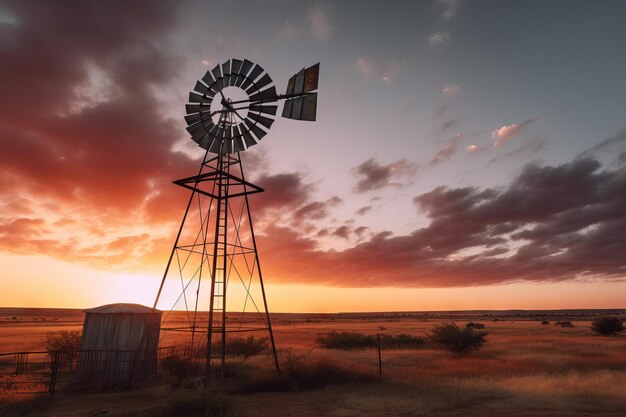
[{"x": 122, "y": 308}]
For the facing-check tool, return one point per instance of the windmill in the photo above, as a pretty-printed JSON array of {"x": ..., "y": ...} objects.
[{"x": 230, "y": 110}]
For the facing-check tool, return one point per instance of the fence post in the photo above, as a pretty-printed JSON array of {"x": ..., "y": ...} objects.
[
  {"x": 380, "y": 362},
  {"x": 54, "y": 370}
]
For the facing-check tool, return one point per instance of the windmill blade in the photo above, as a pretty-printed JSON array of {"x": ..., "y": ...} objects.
[
  {"x": 226, "y": 68},
  {"x": 264, "y": 109},
  {"x": 256, "y": 71},
  {"x": 245, "y": 67},
  {"x": 196, "y": 108},
  {"x": 265, "y": 80},
  {"x": 207, "y": 141},
  {"x": 226, "y": 72},
  {"x": 219, "y": 84},
  {"x": 266, "y": 96},
  {"x": 254, "y": 128},
  {"x": 193, "y": 118},
  {"x": 216, "y": 146},
  {"x": 194, "y": 128},
  {"x": 203, "y": 89},
  {"x": 238, "y": 143},
  {"x": 208, "y": 78},
  {"x": 198, "y": 98},
  {"x": 217, "y": 72},
  {"x": 197, "y": 137},
  {"x": 247, "y": 137},
  {"x": 254, "y": 74},
  {"x": 236, "y": 67},
  {"x": 265, "y": 121}
]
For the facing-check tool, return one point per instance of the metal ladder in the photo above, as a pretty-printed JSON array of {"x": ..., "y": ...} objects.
[{"x": 216, "y": 336}]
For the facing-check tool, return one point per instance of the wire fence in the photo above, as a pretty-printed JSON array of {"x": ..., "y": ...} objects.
[{"x": 47, "y": 372}]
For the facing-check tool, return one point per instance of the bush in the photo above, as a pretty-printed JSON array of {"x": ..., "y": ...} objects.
[
  {"x": 346, "y": 340},
  {"x": 607, "y": 325},
  {"x": 304, "y": 375},
  {"x": 67, "y": 342},
  {"x": 246, "y": 346},
  {"x": 401, "y": 341},
  {"x": 353, "y": 340},
  {"x": 545, "y": 322},
  {"x": 472, "y": 325},
  {"x": 564, "y": 324},
  {"x": 459, "y": 342}
]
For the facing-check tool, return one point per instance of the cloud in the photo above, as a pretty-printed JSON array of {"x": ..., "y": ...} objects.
[
  {"x": 550, "y": 224},
  {"x": 450, "y": 90},
  {"x": 450, "y": 8},
  {"x": 361, "y": 211},
  {"x": 441, "y": 110},
  {"x": 473, "y": 148},
  {"x": 438, "y": 38},
  {"x": 288, "y": 30},
  {"x": 372, "y": 175},
  {"x": 448, "y": 124},
  {"x": 532, "y": 146},
  {"x": 507, "y": 132},
  {"x": 364, "y": 68},
  {"x": 319, "y": 22},
  {"x": 615, "y": 145},
  {"x": 450, "y": 148},
  {"x": 387, "y": 73},
  {"x": 342, "y": 232}
]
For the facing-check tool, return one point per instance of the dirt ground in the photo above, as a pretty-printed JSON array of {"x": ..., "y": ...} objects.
[{"x": 526, "y": 368}]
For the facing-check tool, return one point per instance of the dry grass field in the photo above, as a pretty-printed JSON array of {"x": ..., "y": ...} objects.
[{"x": 526, "y": 368}]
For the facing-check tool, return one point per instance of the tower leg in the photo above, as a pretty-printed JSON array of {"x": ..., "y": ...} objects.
[{"x": 258, "y": 265}]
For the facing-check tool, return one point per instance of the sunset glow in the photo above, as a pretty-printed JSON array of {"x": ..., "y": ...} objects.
[{"x": 445, "y": 170}]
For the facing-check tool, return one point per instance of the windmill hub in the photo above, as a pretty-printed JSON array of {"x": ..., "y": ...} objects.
[{"x": 228, "y": 105}]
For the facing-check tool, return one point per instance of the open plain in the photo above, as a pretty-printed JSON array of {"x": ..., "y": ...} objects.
[{"x": 526, "y": 368}]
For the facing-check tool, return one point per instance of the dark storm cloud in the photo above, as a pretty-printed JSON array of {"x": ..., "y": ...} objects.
[
  {"x": 83, "y": 137},
  {"x": 550, "y": 224},
  {"x": 372, "y": 175}
]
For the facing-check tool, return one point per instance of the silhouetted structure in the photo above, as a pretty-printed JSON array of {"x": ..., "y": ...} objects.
[{"x": 119, "y": 345}]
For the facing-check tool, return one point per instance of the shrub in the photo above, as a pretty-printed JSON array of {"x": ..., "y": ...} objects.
[
  {"x": 459, "y": 342},
  {"x": 246, "y": 346},
  {"x": 545, "y": 322},
  {"x": 353, "y": 340},
  {"x": 401, "y": 341},
  {"x": 346, "y": 340},
  {"x": 304, "y": 375},
  {"x": 472, "y": 325},
  {"x": 607, "y": 325},
  {"x": 64, "y": 341},
  {"x": 564, "y": 324}
]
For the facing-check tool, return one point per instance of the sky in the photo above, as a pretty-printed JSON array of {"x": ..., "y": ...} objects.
[{"x": 466, "y": 155}]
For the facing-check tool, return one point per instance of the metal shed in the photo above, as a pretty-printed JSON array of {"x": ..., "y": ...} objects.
[{"x": 119, "y": 346}]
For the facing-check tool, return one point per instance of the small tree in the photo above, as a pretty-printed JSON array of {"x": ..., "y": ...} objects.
[
  {"x": 459, "y": 342},
  {"x": 66, "y": 342},
  {"x": 607, "y": 325}
]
